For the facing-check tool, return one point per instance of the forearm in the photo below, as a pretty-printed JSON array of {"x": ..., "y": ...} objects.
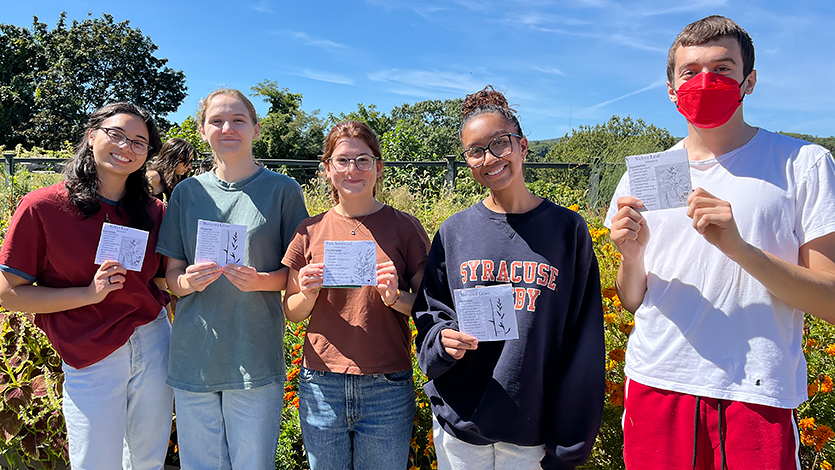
[
  {"x": 298, "y": 306},
  {"x": 38, "y": 299},
  {"x": 631, "y": 284},
  {"x": 404, "y": 303},
  {"x": 271, "y": 281},
  {"x": 811, "y": 291},
  {"x": 177, "y": 286}
]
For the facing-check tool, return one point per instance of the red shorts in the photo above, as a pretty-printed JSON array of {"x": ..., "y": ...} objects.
[{"x": 675, "y": 431}]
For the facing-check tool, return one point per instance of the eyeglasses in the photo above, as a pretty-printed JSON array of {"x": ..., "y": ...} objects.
[
  {"x": 363, "y": 162},
  {"x": 139, "y": 147},
  {"x": 500, "y": 147}
]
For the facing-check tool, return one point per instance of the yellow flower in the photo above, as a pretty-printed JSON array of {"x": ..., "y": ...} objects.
[
  {"x": 611, "y": 365},
  {"x": 616, "y": 299},
  {"x": 574, "y": 207},
  {"x": 826, "y": 465},
  {"x": 830, "y": 350},
  {"x": 610, "y": 318},
  {"x": 434, "y": 465}
]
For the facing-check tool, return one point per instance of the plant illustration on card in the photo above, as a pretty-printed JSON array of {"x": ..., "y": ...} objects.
[{"x": 498, "y": 318}]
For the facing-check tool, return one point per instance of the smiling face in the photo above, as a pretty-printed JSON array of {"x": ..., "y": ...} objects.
[
  {"x": 353, "y": 183},
  {"x": 496, "y": 174},
  {"x": 228, "y": 127},
  {"x": 114, "y": 160},
  {"x": 722, "y": 57}
]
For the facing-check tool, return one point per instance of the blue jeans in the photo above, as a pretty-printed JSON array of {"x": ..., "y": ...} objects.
[
  {"x": 231, "y": 429},
  {"x": 118, "y": 410},
  {"x": 356, "y": 421}
]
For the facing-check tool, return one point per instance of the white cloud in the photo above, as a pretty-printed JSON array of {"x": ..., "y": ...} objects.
[
  {"x": 308, "y": 40},
  {"x": 263, "y": 6},
  {"x": 587, "y": 111},
  {"x": 325, "y": 77},
  {"x": 423, "y": 79}
]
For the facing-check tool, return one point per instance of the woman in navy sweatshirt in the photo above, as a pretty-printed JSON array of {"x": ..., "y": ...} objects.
[{"x": 535, "y": 401}]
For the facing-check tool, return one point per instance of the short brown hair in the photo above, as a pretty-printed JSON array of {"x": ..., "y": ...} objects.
[
  {"x": 710, "y": 29},
  {"x": 205, "y": 102},
  {"x": 348, "y": 130}
]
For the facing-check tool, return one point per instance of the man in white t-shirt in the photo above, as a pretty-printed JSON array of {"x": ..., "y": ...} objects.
[{"x": 715, "y": 366}]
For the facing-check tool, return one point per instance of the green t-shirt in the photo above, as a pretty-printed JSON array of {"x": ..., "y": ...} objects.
[{"x": 223, "y": 338}]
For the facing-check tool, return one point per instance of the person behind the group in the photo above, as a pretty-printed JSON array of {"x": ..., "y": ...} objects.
[
  {"x": 170, "y": 167},
  {"x": 227, "y": 355},
  {"x": 107, "y": 323},
  {"x": 527, "y": 402},
  {"x": 719, "y": 287},
  {"x": 357, "y": 400}
]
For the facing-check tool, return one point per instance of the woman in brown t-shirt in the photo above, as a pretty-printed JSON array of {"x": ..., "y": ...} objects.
[{"x": 356, "y": 394}]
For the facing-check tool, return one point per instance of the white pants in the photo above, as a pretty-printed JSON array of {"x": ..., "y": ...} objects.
[
  {"x": 118, "y": 410},
  {"x": 455, "y": 454}
]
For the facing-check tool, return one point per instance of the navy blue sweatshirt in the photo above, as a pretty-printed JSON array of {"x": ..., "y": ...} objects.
[{"x": 547, "y": 387}]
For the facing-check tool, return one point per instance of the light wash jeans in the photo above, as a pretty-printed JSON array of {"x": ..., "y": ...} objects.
[
  {"x": 230, "y": 429},
  {"x": 118, "y": 410},
  {"x": 361, "y": 422},
  {"x": 455, "y": 454}
]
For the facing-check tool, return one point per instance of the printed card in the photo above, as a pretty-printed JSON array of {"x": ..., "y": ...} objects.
[
  {"x": 660, "y": 180},
  {"x": 487, "y": 313},
  {"x": 123, "y": 244},
  {"x": 220, "y": 243},
  {"x": 350, "y": 263}
]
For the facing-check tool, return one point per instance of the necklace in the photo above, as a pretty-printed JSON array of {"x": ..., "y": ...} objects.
[{"x": 354, "y": 230}]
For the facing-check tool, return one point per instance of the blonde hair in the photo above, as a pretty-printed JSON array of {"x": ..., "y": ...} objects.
[{"x": 205, "y": 102}]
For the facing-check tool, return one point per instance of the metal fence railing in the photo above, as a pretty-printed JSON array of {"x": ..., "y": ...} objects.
[{"x": 449, "y": 163}]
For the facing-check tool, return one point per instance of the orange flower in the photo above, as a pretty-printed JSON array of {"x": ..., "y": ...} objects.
[
  {"x": 626, "y": 327},
  {"x": 617, "y": 354},
  {"x": 574, "y": 207},
  {"x": 296, "y": 402},
  {"x": 826, "y": 465},
  {"x": 296, "y": 347},
  {"x": 827, "y": 384},
  {"x": 812, "y": 389},
  {"x": 811, "y": 343},
  {"x": 807, "y": 423},
  {"x": 609, "y": 292},
  {"x": 297, "y": 361},
  {"x": 610, "y": 318},
  {"x": 616, "y": 398},
  {"x": 294, "y": 372},
  {"x": 611, "y": 365},
  {"x": 289, "y": 395},
  {"x": 830, "y": 350}
]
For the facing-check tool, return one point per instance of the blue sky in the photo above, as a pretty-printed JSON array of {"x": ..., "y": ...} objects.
[{"x": 561, "y": 63}]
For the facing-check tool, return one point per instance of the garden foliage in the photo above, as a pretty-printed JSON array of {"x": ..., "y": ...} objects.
[{"x": 31, "y": 424}]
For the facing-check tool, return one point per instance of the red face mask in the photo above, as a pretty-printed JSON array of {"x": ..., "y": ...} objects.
[{"x": 708, "y": 100}]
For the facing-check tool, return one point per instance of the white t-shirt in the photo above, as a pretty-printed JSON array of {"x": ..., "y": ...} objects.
[{"x": 706, "y": 327}]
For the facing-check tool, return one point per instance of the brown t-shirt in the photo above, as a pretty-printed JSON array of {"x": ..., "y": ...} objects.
[{"x": 351, "y": 330}]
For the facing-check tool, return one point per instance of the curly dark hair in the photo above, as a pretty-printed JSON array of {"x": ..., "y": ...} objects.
[
  {"x": 82, "y": 180},
  {"x": 487, "y": 101},
  {"x": 173, "y": 151}
]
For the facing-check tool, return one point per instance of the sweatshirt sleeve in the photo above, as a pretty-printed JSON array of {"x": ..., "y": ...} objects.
[
  {"x": 433, "y": 311},
  {"x": 575, "y": 415}
]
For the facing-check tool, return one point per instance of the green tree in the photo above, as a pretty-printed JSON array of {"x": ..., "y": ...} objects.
[
  {"x": 377, "y": 121},
  {"x": 435, "y": 123},
  {"x": 21, "y": 58},
  {"x": 287, "y": 131},
  {"x": 75, "y": 70},
  {"x": 826, "y": 142},
  {"x": 611, "y": 142},
  {"x": 189, "y": 131}
]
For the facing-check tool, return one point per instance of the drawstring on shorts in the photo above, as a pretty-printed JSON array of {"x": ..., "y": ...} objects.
[{"x": 696, "y": 434}]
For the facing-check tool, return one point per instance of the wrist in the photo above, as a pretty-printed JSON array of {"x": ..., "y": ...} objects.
[{"x": 396, "y": 298}]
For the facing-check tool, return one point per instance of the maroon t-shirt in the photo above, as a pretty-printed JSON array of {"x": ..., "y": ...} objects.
[
  {"x": 351, "y": 331},
  {"x": 50, "y": 243}
]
